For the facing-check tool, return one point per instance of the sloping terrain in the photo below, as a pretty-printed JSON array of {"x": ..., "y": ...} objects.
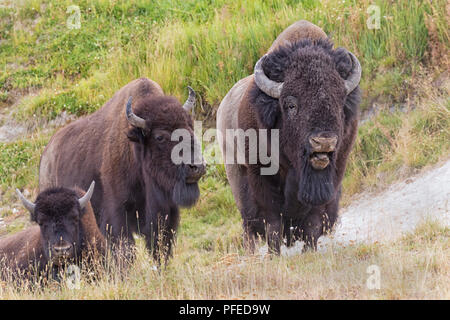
[
  {"x": 397, "y": 174},
  {"x": 398, "y": 210}
]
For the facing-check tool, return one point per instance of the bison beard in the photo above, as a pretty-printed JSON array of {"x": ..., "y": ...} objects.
[
  {"x": 316, "y": 187},
  {"x": 185, "y": 194}
]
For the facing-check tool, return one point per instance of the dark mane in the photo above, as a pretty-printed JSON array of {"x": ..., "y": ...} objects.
[
  {"x": 275, "y": 65},
  {"x": 276, "y": 62},
  {"x": 56, "y": 201}
]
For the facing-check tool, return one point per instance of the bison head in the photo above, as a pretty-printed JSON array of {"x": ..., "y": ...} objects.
[
  {"x": 306, "y": 85},
  {"x": 58, "y": 212},
  {"x": 153, "y": 122}
]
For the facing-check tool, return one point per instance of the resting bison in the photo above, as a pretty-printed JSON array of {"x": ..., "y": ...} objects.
[
  {"x": 66, "y": 231},
  {"x": 126, "y": 148},
  {"x": 309, "y": 92}
]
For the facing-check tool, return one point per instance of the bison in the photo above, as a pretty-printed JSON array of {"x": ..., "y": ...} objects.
[
  {"x": 310, "y": 93},
  {"x": 126, "y": 147},
  {"x": 66, "y": 231}
]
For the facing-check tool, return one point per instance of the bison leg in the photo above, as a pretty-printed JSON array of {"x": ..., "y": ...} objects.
[
  {"x": 253, "y": 229},
  {"x": 114, "y": 225},
  {"x": 274, "y": 234},
  {"x": 267, "y": 192},
  {"x": 293, "y": 211},
  {"x": 160, "y": 233},
  {"x": 320, "y": 221},
  {"x": 252, "y": 224}
]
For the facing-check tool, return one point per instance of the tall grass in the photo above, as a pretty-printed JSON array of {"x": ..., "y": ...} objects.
[
  {"x": 206, "y": 44},
  {"x": 415, "y": 267},
  {"x": 394, "y": 145}
]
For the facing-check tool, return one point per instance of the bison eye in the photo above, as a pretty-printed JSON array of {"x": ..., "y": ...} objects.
[
  {"x": 290, "y": 103},
  {"x": 159, "y": 138}
]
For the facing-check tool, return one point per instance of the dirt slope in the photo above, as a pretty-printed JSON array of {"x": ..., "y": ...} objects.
[
  {"x": 386, "y": 216},
  {"x": 397, "y": 210}
]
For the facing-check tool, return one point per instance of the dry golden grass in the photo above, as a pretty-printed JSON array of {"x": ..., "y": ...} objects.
[{"x": 414, "y": 267}]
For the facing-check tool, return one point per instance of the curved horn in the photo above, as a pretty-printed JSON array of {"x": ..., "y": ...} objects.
[
  {"x": 27, "y": 204},
  {"x": 355, "y": 76},
  {"x": 85, "y": 199},
  {"x": 269, "y": 87},
  {"x": 133, "y": 119},
  {"x": 190, "y": 102}
]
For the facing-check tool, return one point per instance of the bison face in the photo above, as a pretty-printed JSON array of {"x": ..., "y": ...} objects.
[
  {"x": 312, "y": 125},
  {"x": 310, "y": 111},
  {"x": 58, "y": 212},
  {"x": 154, "y": 144}
]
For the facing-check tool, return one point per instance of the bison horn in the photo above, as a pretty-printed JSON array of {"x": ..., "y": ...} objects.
[
  {"x": 273, "y": 88},
  {"x": 87, "y": 197},
  {"x": 355, "y": 76},
  {"x": 190, "y": 102},
  {"x": 133, "y": 119},
  {"x": 27, "y": 204},
  {"x": 269, "y": 87}
]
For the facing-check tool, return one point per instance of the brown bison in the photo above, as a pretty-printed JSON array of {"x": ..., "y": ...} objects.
[
  {"x": 126, "y": 148},
  {"x": 66, "y": 231},
  {"x": 309, "y": 92}
]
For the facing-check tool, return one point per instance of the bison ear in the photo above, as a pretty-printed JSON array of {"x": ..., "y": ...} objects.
[
  {"x": 136, "y": 135},
  {"x": 268, "y": 112},
  {"x": 342, "y": 62},
  {"x": 33, "y": 217},
  {"x": 267, "y": 108}
]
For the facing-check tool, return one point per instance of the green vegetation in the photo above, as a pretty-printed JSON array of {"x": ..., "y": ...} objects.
[
  {"x": 47, "y": 68},
  {"x": 206, "y": 44},
  {"x": 19, "y": 162},
  {"x": 212, "y": 44}
]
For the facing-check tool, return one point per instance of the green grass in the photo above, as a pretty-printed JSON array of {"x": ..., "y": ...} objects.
[
  {"x": 206, "y": 44},
  {"x": 19, "y": 163},
  {"x": 210, "y": 45},
  {"x": 391, "y": 146}
]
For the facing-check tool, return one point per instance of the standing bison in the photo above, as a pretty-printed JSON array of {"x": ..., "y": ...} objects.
[
  {"x": 309, "y": 92},
  {"x": 65, "y": 232},
  {"x": 126, "y": 148}
]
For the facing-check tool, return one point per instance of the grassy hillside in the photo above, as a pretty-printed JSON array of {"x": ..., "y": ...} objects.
[{"x": 47, "y": 69}]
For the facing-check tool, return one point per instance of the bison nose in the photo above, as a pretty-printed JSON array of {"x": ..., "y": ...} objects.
[
  {"x": 197, "y": 169},
  {"x": 194, "y": 168},
  {"x": 195, "y": 172},
  {"x": 62, "y": 249},
  {"x": 323, "y": 142}
]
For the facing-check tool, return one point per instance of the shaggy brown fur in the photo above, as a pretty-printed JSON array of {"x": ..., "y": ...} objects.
[
  {"x": 298, "y": 202},
  {"x": 139, "y": 188},
  {"x": 59, "y": 217},
  {"x": 299, "y": 30}
]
